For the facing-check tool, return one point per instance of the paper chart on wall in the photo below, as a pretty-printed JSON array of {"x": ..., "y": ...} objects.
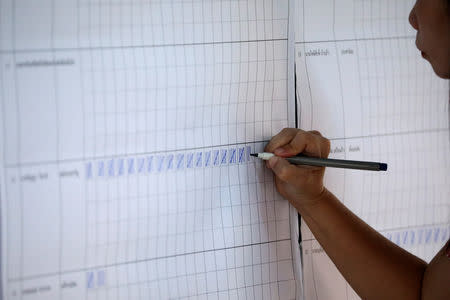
[
  {"x": 126, "y": 133},
  {"x": 362, "y": 83}
]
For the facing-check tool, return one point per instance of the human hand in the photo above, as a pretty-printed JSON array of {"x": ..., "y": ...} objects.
[{"x": 301, "y": 185}]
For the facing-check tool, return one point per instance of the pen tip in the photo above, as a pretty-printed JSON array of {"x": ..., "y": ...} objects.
[
  {"x": 254, "y": 154},
  {"x": 383, "y": 167}
]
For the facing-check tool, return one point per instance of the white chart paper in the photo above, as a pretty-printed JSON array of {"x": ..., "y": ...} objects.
[
  {"x": 126, "y": 133},
  {"x": 363, "y": 84}
]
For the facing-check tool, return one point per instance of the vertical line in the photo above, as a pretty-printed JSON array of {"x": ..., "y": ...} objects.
[
  {"x": 376, "y": 100},
  {"x": 220, "y": 166},
  {"x": 289, "y": 43},
  {"x": 55, "y": 94},
  {"x": 238, "y": 38},
  {"x": 177, "y": 100},
  {"x": 145, "y": 133},
  {"x": 256, "y": 75},
  {"x": 275, "y": 200},
  {"x": 92, "y": 94},
  {"x": 222, "y": 62},
  {"x": 311, "y": 110},
  {"x": 157, "y": 194},
  {"x": 118, "y": 113},
  {"x": 136, "y": 95},
  {"x": 93, "y": 91},
  {"x": 343, "y": 106},
  {"x": 4, "y": 224},
  {"x": 214, "y": 252},
  {"x": 126, "y": 98},
  {"x": 340, "y": 82},
  {"x": 113, "y": 115},
  {"x": 386, "y": 122},
  {"x": 167, "y": 79},
  {"x": 428, "y": 124},
  {"x": 393, "y": 78},
  {"x": 203, "y": 122},
  {"x": 85, "y": 185},
  {"x": 298, "y": 111},
  {"x": 195, "y": 107},
  {"x": 419, "y": 114},
  {"x": 104, "y": 113},
  {"x": 213, "y": 87},
  {"x": 149, "y": 176},
  {"x": 247, "y": 164},
  {"x": 105, "y": 194},
  {"x": 311, "y": 122},
  {"x": 94, "y": 140},
  {"x": 311, "y": 119},
  {"x": 384, "y": 116},
  {"x": 215, "y": 58},
  {"x": 256, "y": 62},
  {"x": 312, "y": 267},
  {"x": 263, "y": 192},
  {"x": 363, "y": 100},
  {"x": 409, "y": 114},
  {"x": 399, "y": 113},
  {"x": 229, "y": 191},
  {"x": 16, "y": 87},
  {"x": 116, "y": 130}
]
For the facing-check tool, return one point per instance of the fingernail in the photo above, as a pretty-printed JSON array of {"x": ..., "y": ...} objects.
[
  {"x": 271, "y": 162},
  {"x": 279, "y": 151}
]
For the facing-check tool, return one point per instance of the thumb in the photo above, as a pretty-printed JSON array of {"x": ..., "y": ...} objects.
[{"x": 283, "y": 169}]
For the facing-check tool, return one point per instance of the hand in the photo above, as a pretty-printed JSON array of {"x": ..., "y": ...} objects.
[{"x": 301, "y": 185}]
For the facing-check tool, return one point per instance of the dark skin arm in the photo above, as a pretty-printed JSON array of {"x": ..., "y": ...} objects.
[{"x": 375, "y": 267}]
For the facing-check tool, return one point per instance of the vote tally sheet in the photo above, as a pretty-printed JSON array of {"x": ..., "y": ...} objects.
[
  {"x": 126, "y": 133},
  {"x": 126, "y": 129},
  {"x": 362, "y": 83}
]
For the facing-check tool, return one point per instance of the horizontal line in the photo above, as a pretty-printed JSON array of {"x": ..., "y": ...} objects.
[
  {"x": 398, "y": 229},
  {"x": 360, "y": 39},
  {"x": 414, "y": 227},
  {"x": 18, "y": 51},
  {"x": 195, "y": 296},
  {"x": 124, "y": 155},
  {"x": 70, "y": 160},
  {"x": 391, "y": 134},
  {"x": 136, "y": 261}
]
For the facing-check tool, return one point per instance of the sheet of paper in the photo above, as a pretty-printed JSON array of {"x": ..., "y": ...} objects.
[
  {"x": 363, "y": 84},
  {"x": 125, "y": 141}
]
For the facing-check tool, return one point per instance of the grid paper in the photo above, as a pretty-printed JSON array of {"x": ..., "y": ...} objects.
[
  {"x": 127, "y": 129},
  {"x": 362, "y": 83}
]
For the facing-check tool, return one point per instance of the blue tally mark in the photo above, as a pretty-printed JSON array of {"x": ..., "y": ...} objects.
[
  {"x": 419, "y": 236},
  {"x": 178, "y": 161}
]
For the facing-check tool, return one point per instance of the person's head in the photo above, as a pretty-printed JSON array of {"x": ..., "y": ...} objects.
[{"x": 431, "y": 19}]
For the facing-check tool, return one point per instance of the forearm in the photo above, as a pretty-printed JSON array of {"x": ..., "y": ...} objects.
[{"x": 375, "y": 267}]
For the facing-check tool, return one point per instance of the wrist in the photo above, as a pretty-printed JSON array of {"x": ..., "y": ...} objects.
[{"x": 312, "y": 204}]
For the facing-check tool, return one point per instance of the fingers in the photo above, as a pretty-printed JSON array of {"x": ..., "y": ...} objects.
[
  {"x": 298, "y": 144},
  {"x": 315, "y": 132},
  {"x": 281, "y": 139},
  {"x": 324, "y": 144},
  {"x": 312, "y": 144},
  {"x": 291, "y": 141},
  {"x": 284, "y": 170}
]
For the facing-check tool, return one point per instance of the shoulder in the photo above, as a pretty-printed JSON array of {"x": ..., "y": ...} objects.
[{"x": 437, "y": 276}]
